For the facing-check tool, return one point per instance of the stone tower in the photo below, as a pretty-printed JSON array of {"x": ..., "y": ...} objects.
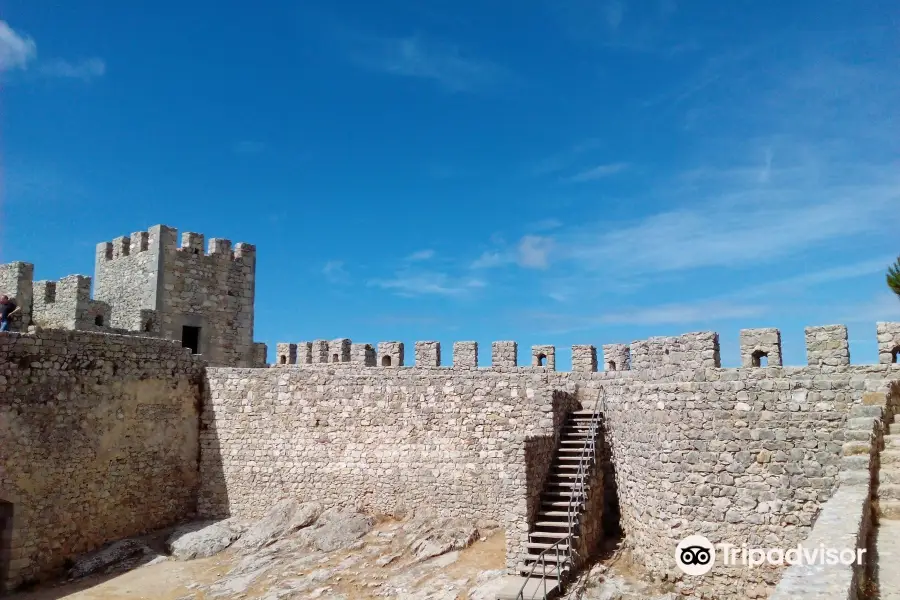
[{"x": 178, "y": 291}]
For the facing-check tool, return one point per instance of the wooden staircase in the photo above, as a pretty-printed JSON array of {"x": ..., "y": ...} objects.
[{"x": 551, "y": 545}]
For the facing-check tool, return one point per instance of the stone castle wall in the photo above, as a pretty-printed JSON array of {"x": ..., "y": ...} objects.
[
  {"x": 127, "y": 277},
  {"x": 386, "y": 440},
  {"x": 212, "y": 290},
  {"x": 16, "y": 281},
  {"x": 98, "y": 441},
  {"x": 746, "y": 456}
]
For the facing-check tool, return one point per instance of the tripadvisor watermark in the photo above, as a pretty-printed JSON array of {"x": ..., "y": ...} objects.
[{"x": 696, "y": 555}]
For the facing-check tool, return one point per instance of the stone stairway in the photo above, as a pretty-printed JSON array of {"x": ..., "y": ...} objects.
[
  {"x": 888, "y": 530},
  {"x": 551, "y": 525}
]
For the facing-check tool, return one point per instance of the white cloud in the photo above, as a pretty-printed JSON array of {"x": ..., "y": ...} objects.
[
  {"x": 491, "y": 259},
  {"x": 16, "y": 50},
  {"x": 334, "y": 272},
  {"x": 739, "y": 228},
  {"x": 533, "y": 251},
  {"x": 598, "y": 172},
  {"x": 424, "y": 283},
  {"x": 688, "y": 313},
  {"x": 422, "y": 58},
  {"x": 85, "y": 69},
  {"x": 420, "y": 255}
]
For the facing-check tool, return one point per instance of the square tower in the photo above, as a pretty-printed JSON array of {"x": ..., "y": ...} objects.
[{"x": 203, "y": 299}]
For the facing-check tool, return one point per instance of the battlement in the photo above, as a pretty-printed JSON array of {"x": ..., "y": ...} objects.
[
  {"x": 16, "y": 281},
  {"x": 759, "y": 348},
  {"x": 166, "y": 238}
]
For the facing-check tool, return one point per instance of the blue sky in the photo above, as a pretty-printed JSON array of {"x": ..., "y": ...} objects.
[{"x": 547, "y": 171}]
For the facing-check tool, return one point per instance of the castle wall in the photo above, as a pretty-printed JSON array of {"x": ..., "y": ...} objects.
[
  {"x": 67, "y": 304},
  {"x": 16, "y": 281},
  {"x": 98, "y": 441},
  {"x": 745, "y": 456},
  {"x": 387, "y": 440},
  {"x": 689, "y": 351},
  {"x": 213, "y": 291},
  {"x": 126, "y": 276}
]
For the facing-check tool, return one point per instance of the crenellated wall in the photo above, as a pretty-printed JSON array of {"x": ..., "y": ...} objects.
[{"x": 16, "y": 282}]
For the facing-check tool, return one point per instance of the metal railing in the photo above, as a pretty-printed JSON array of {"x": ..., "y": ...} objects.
[{"x": 573, "y": 509}]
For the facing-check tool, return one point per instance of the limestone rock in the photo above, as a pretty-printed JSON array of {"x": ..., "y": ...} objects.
[
  {"x": 446, "y": 536},
  {"x": 337, "y": 529},
  {"x": 111, "y": 555},
  {"x": 199, "y": 540},
  {"x": 285, "y": 518}
]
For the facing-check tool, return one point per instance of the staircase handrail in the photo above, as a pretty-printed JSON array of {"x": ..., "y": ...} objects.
[{"x": 577, "y": 498}]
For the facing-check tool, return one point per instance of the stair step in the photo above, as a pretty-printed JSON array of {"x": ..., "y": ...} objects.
[
  {"x": 556, "y": 535},
  {"x": 581, "y": 413},
  {"x": 550, "y": 557},
  {"x": 553, "y": 513},
  {"x": 545, "y": 545},
  {"x": 562, "y": 493},
  {"x": 571, "y": 442},
  {"x": 567, "y": 465},
  {"x": 892, "y": 440},
  {"x": 563, "y": 484},
  {"x": 890, "y": 457},
  {"x": 534, "y": 588},
  {"x": 561, "y": 504},
  {"x": 570, "y": 475},
  {"x": 561, "y": 523},
  {"x": 887, "y": 490},
  {"x": 889, "y": 509},
  {"x": 549, "y": 570}
]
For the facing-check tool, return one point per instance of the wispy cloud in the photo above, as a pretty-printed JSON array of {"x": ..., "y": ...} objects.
[
  {"x": 85, "y": 69},
  {"x": 16, "y": 49},
  {"x": 420, "y": 57},
  {"x": 420, "y": 255},
  {"x": 767, "y": 226},
  {"x": 703, "y": 311},
  {"x": 248, "y": 147},
  {"x": 598, "y": 172},
  {"x": 334, "y": 272},
  {"x": 563, "y": 160},
  {"x": 19, "y": 51},
  {"x": 615, "y": 12},
  {"x": 422, "y": 283},
  {"x": 532, "y": 251}
]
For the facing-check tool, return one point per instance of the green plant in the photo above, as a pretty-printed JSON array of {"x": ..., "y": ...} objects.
[{"x": 893, "y": 277}]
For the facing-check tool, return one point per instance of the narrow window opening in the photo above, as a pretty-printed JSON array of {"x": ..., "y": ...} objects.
[
  {"x": 611, "y": 366},
  {"x": 895, "y": 355},
  {"x": 98, "y": 320},
  {"x": 283, "y": 359},
  {"x": 148, "y": 326},
  {"x": 334, "y": 358},
  {"x": 190, "y": 338},
  {"x": 385, "y": 361},
  {"x": 759, "y": 359},
  {"x": 542, "y": 360}
]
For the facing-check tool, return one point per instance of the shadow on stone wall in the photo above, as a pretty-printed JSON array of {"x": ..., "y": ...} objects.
[
  {"x": 612, "y": 527},
  {"x": 212, "y": 499}
]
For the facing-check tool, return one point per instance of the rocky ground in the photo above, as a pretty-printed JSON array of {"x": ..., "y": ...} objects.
[{"x": 302, "y": 551}]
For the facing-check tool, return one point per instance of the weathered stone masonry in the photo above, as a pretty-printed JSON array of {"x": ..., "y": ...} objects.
[
  {"x": 148, "y": 285},
  {"x": 98, "y": 441}
]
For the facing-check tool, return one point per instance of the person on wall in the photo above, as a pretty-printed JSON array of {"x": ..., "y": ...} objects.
[{"x": 7, "y": 309}]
